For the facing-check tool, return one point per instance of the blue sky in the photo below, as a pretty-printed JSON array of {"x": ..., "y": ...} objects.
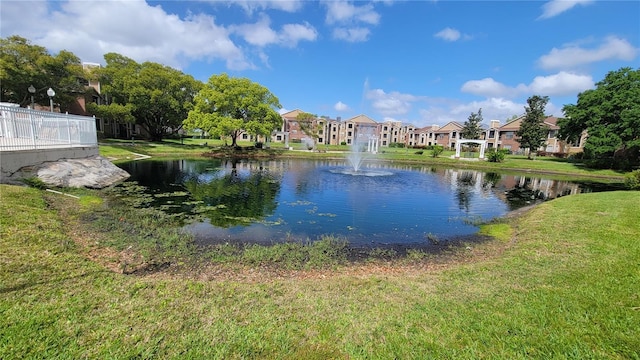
[{"x": 420, "y": 62}]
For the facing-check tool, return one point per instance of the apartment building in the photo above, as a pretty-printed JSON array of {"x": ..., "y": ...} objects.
[
  {"x": 336, "y": 132},
  {"x": 504, "y": 137}
]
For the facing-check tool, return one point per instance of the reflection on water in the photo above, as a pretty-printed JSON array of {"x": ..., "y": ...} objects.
[{"x": 278, "y": 200}]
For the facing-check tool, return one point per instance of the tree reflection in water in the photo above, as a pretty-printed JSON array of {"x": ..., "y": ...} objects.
[{"x": 234, "y": 199}]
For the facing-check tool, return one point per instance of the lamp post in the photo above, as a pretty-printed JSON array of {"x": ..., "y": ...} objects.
[
  {"x": 32, "y": 91},
  {"x": 51, "y": 94}
]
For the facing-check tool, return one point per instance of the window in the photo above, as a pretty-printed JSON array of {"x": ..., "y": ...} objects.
[
  {"x": 384, "y": 128},
  {"x": 350, "y": 126},
  {"x": 278, "y": 137},
  {"x": 508, "y": 135},
  {"x": 492, "y": 134},
  {"x": 349, "y": 133}
]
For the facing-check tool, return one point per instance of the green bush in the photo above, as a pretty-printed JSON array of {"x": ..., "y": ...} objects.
[
  {"x": 495, "y": 155},
  {"x": 437, "y": 150},
  {"x": 632, "y": 180}
]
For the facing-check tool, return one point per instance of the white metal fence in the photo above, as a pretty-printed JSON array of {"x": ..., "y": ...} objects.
[{"x": 26, "y": 129}]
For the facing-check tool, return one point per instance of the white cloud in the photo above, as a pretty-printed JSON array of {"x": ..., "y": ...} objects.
[
  {"x": 340, "y": 106},
  {"x": 291, "y": 34},
  {"x": 442, "y": 111},
  {"x": 15, "y": 14},
  {"x": 556, "y": 7},
  {"x": 148, "y": 33},
  {"x": 448, "y": 34},
  {"x": 495, "y": 108},
  {"x": 390, "y": 104},
  {"x": 260, "y": 34},
  {"x": 142, "y": 32},
  {"x": 254, "y": 5},
  {"x": 352, "y": 23},
  {"x": 562, "y": 83},
  {"x": 486, "y": 87},
  {"x": 572, "y": 55},
  {"x": 343, "y": 12},
  {"x": 357, "y": 34}
]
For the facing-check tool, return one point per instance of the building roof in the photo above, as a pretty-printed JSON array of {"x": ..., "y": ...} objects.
[
  {"x": 550, "y": 121},
  {"x": 292, "y": 114},
  {"x": 450, "y": 126},
  {"x": 362, "y": 119}
]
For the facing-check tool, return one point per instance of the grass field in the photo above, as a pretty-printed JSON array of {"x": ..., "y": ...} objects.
[{"x": 561, "y": 281}]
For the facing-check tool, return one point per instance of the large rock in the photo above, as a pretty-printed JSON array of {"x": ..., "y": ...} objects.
[{"x": 94, "y": 172}]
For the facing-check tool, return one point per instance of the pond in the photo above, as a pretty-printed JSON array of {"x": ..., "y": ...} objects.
[{"x": 298, "y": 200}]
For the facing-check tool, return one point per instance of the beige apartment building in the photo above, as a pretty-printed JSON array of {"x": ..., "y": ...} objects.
[
  {"x": 504, "y": 137},
  {"x": 338, "y": 131}
]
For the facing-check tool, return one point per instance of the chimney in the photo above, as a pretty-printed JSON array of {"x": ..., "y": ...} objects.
[{"x": 495, "y": 124}]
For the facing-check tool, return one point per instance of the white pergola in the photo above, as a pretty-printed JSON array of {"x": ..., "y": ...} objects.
[
  {"x": 483, "y": 145},
  {"x": 372, "y": 145}
]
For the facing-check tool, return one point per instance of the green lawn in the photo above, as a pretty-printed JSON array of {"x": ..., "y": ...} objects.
[{"x": 562, "y": 281}]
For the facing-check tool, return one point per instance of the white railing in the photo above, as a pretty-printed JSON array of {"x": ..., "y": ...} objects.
[{"x": 26, "y": 129}]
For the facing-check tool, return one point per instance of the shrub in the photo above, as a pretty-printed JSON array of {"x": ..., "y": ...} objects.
[
  {"x": 632, "y": 180},
  {"x": 495, "y": 155},
  {"x": 437, "y": 150},
  {"x": 419, "y": 152}
]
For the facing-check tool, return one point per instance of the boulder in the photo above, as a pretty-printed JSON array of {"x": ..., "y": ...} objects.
[{"x": 94, "y": 172}]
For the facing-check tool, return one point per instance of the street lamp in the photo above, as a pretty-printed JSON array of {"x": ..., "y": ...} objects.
[
  {"x": 51, "y": 94},
  {"x": 32, "y": 91}
]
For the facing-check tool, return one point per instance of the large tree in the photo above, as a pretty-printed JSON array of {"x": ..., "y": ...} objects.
[
  {"x": 157, "y": 97},
  {"x": 533, "y": 133},
  {"x": 610, "y": 114},
  {"x": 228, "y": 106},
  {"x": 308, "y": 125},
  {"x": 23, "y": 64},
  {"x": 471, "y": 128}
]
